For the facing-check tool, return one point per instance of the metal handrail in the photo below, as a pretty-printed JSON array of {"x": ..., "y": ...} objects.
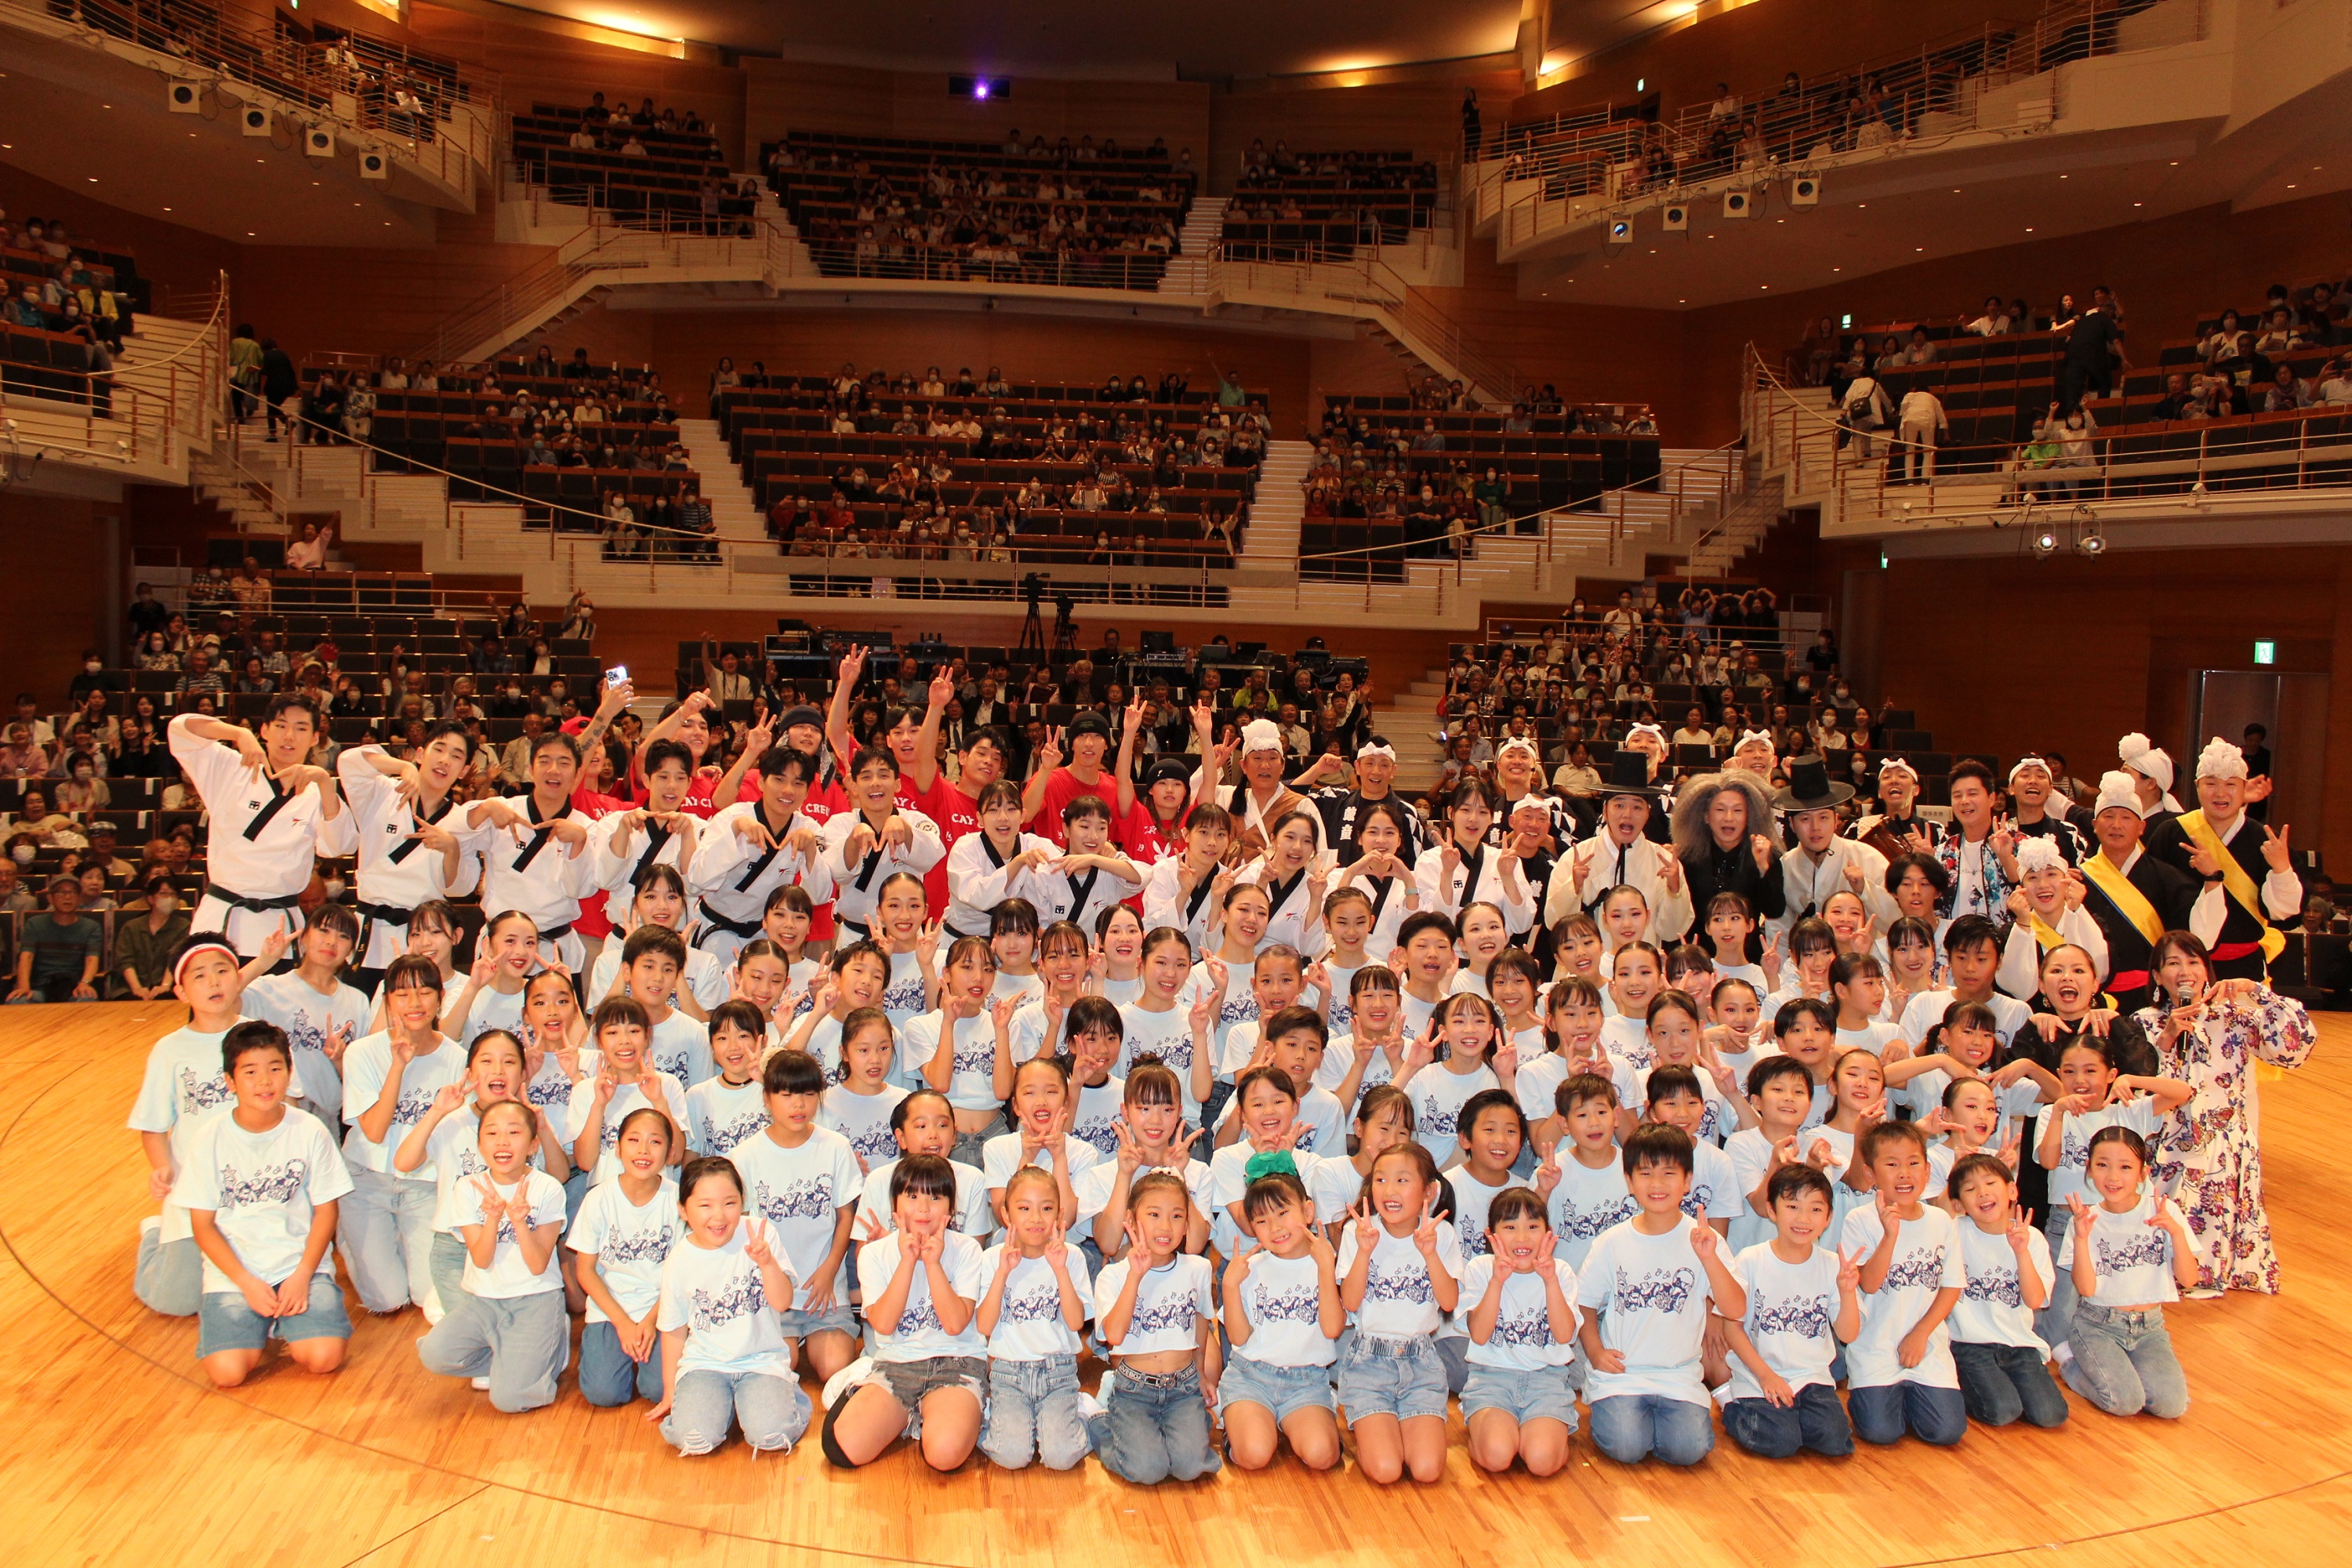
[
  {"x": 1656, "y": 485},
  {"x": 140, "y": 422},
  {"x": 1601, "y": 154},
  {"x": 454, "y": 106}
]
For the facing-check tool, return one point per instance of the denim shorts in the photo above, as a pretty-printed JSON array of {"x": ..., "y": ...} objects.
[
  {"x": 1403, "y": 1378},
  {"x": 1545, "y": 1394},
  {"x": 1281, "y": 1389},
  {"x": 840, "y": 1319},
  {"x": 225, "y": 1321},
  {"x": 911, "y": 1382}
]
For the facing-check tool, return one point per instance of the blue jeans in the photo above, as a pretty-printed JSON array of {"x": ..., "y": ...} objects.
[
  {"x": 1882, "y": 1415},
  {"x": 608, "y": 1377},
  {"x": 2002, "y": 1383},
  {"x": 1033, "y": 1412},
  {"x": 517, "y": 1342},
  {"x": 2124, "y": 1363},
  {"x": 168, "y": 1277},
  {"x": 771, "y": 1408},
  {"x": 1769, "y": 1431},
  {"x": 1631, "y": 1428},
  {"x": 1155, "y": 1430}
]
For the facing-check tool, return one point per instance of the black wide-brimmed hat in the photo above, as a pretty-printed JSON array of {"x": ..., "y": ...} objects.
[
  {"x": 1629, "y": 773},
  {"x": 1809, "y": 786}
]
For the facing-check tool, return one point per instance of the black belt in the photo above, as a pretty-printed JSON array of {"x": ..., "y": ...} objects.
[
  {"x": 389, "y": 914},
  {"x": 556, "y": 934},
  {"x": 865, "y": 931},
  {"x": 746, "y": 929},
  {"x": 259, "y": 906}
]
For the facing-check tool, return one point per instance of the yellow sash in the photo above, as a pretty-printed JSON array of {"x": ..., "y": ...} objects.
[
  {"x": 2127, "y": 896},
  {"x": 2233, "y": 876},
  {"x": 2047, "y": 935}
]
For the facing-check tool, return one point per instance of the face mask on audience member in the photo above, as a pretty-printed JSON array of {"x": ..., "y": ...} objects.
[
  {"x": 22, "y": 854},
  {"x": 92, "y": 666}
]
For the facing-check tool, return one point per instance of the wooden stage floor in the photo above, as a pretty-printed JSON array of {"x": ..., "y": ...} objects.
[{"x": 116, "y": 1452}]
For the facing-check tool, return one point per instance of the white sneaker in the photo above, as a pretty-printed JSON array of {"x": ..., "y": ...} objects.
[
  {"x": 2203, "y": 1293},
  {"x": 1088, "y": 1405},
  {"x": 2063, "y": 1352},
  {"x": 482, "y": 1384}
]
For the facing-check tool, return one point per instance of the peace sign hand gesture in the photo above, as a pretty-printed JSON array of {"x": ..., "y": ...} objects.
[{"x": 2274, "y": 850}]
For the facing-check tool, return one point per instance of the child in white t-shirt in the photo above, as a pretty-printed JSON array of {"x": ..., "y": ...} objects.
[
  {"x": 1900, "y": 1374},
  {"x": 2133, "y": 1256},
  {"x": 1399, "y": 1274},
  {"x": 447, "y": 1143},
  {"x": 805, "y": 1182},
  {"x": 624, "y": 1234},
  {"x": 1646, "y": 1287},
  {"x": 507, "y": 1324},
  {"x": 922, "y": 1284},
  {"x": 259, "y": 1182},
  {"x": 626, "y": 1078},
  {"x": 724, "y": 1287},
  {"x": 859, "y": 1106},
  {"x": 1802, "y": 1299},
  {"x": 1283, "y": 1316},
  {"x": 2096, "y": 1096},
  {"x": 1581, "y": 1179},
  {"x": 390, "y": 1081},
  {"x": 1040, "y": 1111},
  {"x": 729, "y": 1107},
  {"x": 1032, "y": 1312},
  {"x": 1519, "y": 1306},
  {"x": 2004, "y": 1366},
  {"x": 321, "y": 1015},
  {"x": 1157, "y": 1313},
  {"x": 1151, "y": 1135},
  {"x": 183, "y": 1083}
]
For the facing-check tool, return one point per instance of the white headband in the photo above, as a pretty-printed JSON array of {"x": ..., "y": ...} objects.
[
  {"x": 2117, "y": 793},
  {"x": 2221, "y": 760},
  {"x": 2038, "y": 854},
  {"x": 2025, "y": 762},
  {"x": 1650, "y": 730},
  {"x": 1521, "y": 743},
  {"x": 1750, "y": 737},
  {"x": 202, "y": 945},
  {"x": 2134, "y": 752},
  {"x": 1898, "y": 765},
  {"x": 1261, "y": 735},
  {"x": 1375, "y": 749}
]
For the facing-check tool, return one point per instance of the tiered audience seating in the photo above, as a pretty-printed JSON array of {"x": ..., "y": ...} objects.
[
  {"x": 1565, "y": 459},
  {"x": 1133, "y": 201},
  {"x": 1996, "y": 392},
  {"x": 1343, "y": 200},
  {"x": 666, "y": 184},
  {"x": 781, "y": 434}
]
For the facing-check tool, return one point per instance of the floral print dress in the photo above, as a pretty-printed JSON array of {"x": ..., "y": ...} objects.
[{"x": 2209, "y": 1154}]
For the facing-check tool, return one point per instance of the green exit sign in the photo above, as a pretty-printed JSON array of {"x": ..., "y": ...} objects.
[{"x": 2265, "y": 652}]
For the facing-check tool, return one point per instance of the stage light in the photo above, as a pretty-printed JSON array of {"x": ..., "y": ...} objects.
[
  {"x": 2045, "y": 542},
  {"x": 1736, "y": 204},
  {"x": 1805, "y": 191},
  {"x": 184, "y": 97},
  {"x": 1677, "y": 219},
  {"x": 254, "y": 121},
  {"x": 1621, "y": 231}
]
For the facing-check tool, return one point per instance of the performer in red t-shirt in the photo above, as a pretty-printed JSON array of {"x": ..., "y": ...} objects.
[
  {"x": 951, "y": 803},
  {"x": 1053, "y": 785}
]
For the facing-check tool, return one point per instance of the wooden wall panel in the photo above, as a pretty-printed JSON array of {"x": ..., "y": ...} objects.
[
  {"x": 1423, "y": 116},
  {"x": 787, "y": 95},
  {"x": 172, "y": 256},
  {"x": 545, "y": 66},
  {"x": 59, "y": 589}
]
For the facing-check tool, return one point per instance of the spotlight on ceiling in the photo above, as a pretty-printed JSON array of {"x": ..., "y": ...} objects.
[
  {"x": 979, "y": 89},
  {"x": 2045, "y": 541}
]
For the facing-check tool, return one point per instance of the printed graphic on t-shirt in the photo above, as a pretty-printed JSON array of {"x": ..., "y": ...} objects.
[
  {"x": 1659, "y": 1291},
  {"x": 1586, "y": 1224},
  {"x": 270, "y": 1184},
  {"x": 2132, "y": 1252},
  {"x": 650, "y": 1245},
  {"x": 1177, "y": 1312},
  {"x": 1997, "y": 1286},
  {"x": 1922, "y": 1270},
  {"x": 1807, "y": 1315},
  {"x": 1528, "y": 1328},
  {"x": 811, "y": 1200},
  {"x": 210, "y": 1093},
  {"x": 738, "y": 1298},
  {"x": 1400, "y": 1285},
  {"x": 1038, "y": 1304},
  {"x": 723, "y": 1136},
  {"x": 1300, "y": 1304}
]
